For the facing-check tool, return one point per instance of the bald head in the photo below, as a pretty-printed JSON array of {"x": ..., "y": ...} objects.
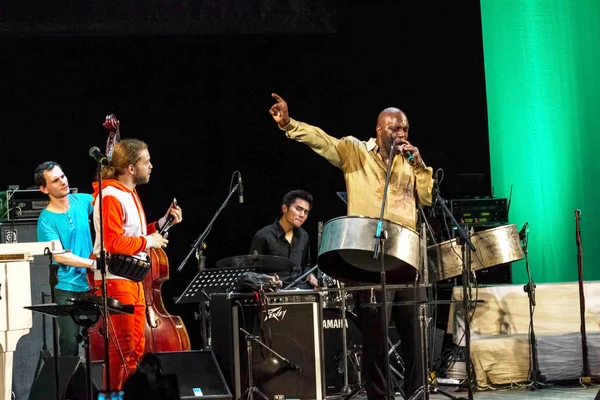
[
  {"x": 391, "y": 123},
  {"x": 388, "y": 112}
]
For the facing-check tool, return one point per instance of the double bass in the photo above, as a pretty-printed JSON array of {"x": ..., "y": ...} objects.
[{"x": 163, "y": 331}]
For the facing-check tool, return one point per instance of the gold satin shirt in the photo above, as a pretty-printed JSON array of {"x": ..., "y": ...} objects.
[{"x": 364, "y": 173}]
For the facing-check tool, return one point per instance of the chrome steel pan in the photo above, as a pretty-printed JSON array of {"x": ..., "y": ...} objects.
[
  {"x": 494, "y": 247},
  {"x": 347, "y": 248}
]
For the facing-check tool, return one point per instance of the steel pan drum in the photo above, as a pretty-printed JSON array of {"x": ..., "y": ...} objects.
[
  {"x": 493, "y": 247},
  {"x": 347, "y": 248}
]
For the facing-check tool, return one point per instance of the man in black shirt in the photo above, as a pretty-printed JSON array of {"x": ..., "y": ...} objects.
[{"x": 286, "y": 238}]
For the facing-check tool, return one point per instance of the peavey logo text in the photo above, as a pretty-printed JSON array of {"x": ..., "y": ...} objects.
[
  {"x": 277, "y": 313},
  {"x": 333, "y": 323}
]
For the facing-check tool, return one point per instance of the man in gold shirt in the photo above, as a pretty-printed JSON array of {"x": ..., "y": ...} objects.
[{"x": 364, "y": 165}]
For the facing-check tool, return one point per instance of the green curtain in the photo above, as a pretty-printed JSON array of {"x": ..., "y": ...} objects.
[{"x": 542, "y": 68}]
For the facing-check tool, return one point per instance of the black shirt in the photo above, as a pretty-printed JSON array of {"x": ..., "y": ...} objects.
[{"x": 270, "y": 240}]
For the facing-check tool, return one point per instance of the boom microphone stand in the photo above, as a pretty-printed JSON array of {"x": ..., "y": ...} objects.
[
  {"x": 535, "y": 375},
  {"x": 101, "y": 266},
  {"x": 200, "y": 240},
  {"x": 380, "y": 236},
  {"x": 467, "y": 248},
  {"x": 251, "y": 388},
  {"x": 53, "y": 281},
  {"x": 199, "y": 246}
]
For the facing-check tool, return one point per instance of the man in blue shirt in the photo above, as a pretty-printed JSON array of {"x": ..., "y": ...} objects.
[{"x": 66, "y": 218}]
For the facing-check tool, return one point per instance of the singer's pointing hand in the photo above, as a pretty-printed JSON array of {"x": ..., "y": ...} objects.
[
  {"x": 405, "y": 147},
  {"x": 175, "y": 211},
  {"x": 279, "y": 111}
]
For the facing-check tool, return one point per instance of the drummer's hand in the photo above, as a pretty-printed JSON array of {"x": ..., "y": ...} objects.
[
  {"x": 276, "y": 281},
  {"x": 312, "y": 281}
]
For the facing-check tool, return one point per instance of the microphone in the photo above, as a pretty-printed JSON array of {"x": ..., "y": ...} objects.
[
  {"x": 292, "y": 365},
  {"x": 97, "y": 155},
  {"x": 406, "y": 153},
  {"x": 523, "y": 231},
  {"x": 240, "y": 188}
]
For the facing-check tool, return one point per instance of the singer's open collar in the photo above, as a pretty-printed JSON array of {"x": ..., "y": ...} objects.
[{"x": 372, "y": 144}]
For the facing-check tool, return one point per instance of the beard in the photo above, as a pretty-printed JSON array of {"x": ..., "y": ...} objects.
[{"x": 141, "y": 179}]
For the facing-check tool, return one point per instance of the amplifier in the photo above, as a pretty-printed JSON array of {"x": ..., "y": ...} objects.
[
  {"x": 484, "y": 211},
  {"x": 23, "y": 204},
  {"x": 289, "y": 323}
]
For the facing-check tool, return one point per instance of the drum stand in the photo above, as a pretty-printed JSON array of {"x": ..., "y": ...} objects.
[
  {"x": 424, "y": 390},
  {"x": 346, "y": 389}
]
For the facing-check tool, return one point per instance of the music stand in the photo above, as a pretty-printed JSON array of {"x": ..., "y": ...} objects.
[
  {"x": 209, "y": 281},
  {"x": 84, "y": 313}
]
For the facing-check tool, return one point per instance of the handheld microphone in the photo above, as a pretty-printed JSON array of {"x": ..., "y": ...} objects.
[
  {"x": 240, "y": 189},
  {"x": 97, "y": 155},
  {"x": 406, "y": 153}
]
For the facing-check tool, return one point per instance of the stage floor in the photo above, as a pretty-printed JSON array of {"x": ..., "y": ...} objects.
[{"x": 551, "y": 392}]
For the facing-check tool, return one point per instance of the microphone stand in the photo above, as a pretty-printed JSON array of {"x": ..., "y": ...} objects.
[
  {"x": 467, "y": 248},
  {"x": 200, "y": 240},
  {"x": 380, "y": 236},
  {"x": 206, "y": 343},
  {"x": 535, "y": 375},
  {"x": 53, "y": 281},
  {"x": 101, "y": 266},
  {"x": 198, "y": 247},
  {"x": 281, "y": 358}
]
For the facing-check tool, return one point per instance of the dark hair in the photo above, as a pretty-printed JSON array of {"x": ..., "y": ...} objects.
[
  {"x": 291, "y": 196},
  {"x": 38, "y": 174}
]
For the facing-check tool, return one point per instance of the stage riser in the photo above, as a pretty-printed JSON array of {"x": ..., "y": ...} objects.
[{"x": 500, "y": 341}]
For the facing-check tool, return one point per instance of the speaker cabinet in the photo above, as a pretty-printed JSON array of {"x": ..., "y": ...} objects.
[
  {"x": 28, "y": 356},
  {"x": 72, "y": 380},
  {"x": 289, "y": 324},
  {"x": 197, "y": 372}
]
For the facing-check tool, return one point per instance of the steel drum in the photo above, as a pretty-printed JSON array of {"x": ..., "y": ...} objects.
[
  {"x": 347, "y": 248},
  {"x": 494, "y": 246}
]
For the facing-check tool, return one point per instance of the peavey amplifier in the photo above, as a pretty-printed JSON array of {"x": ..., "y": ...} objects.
[
  {"x": 23, "y": 204},
  {"x": 289, "y": 323}
]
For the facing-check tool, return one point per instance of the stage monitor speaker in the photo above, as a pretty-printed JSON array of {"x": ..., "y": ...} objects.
[
  {"x": 30, "y": 351},
  {"x": 72, "y": 380},
  {"x": 290, "y": 323},
  {"x": 197, "y": 372}
]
